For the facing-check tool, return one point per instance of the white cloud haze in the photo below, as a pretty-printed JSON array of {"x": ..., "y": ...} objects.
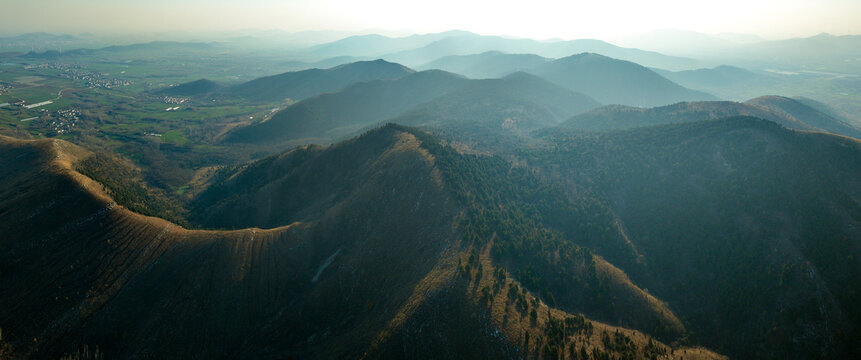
[{"x": 535, "y": 19}]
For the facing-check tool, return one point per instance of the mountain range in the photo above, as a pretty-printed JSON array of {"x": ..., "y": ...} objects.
[
  {"x": 371, "y": 239},
  {"x": 508, "y": 199}
]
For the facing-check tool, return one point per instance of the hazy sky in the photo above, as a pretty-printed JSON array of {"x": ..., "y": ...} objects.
[{"x": 523, "y": 18}]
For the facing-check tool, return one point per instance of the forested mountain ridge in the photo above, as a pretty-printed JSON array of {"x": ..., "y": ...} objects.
[
  {"x": 705, "y": 202},
  {"x": 156, "y": 267}
]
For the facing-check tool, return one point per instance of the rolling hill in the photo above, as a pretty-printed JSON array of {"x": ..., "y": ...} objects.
[
  {"x": 299, "y": 85},
  {"x": 705, "y": 202},
  {"x": 612, "y": 81},
  {"x": 193, "y": 88}
]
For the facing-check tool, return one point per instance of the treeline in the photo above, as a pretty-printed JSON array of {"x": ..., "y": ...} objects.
[
  {"x": 125, "y": 186},
  {"x": 512, "y": 207}
]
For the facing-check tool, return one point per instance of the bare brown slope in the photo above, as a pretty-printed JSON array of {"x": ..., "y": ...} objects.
[{"x": 87, "y": 271}]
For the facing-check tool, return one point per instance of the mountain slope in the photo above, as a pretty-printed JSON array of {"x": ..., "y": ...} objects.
[
  {"x": 303, "y": 84},
  {"x": 357, "y": 281},
  {"x": 749, "y": 231},
  {"x": 374, "y": 45},
  {"x": 494, "y": 112},
  {"x": 795, "y": 109},
  {"x": 338, "y": 114},
  {"x": 720, "y": 77},
  {"x": 612, "y": 81}
]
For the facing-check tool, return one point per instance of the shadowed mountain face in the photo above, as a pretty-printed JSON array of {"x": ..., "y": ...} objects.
[
  {"x": 303, "y": 84},
  {"x": 744, "y": 228},
  {"x": 139, "y": 286},
  {"x": 612, "y": 81},
  {"x": 743, "y": 232},
  {"x": 798, "y": 110},
  {"x": 496, "y": 113}
]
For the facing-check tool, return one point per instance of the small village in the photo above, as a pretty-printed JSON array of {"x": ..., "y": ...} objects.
[
  {"x": 174, "y": 100},
  {"x": 74, "y": 71},
  {"x": 65, "y": 120}
]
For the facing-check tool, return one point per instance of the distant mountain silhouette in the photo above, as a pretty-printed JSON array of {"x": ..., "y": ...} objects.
[
  {"x": 469, "y": 44},
  {"x": 353, "y": 108},
  {"x": 723, "y": 76},
  {"x": 612, "y": 81},
  {"x": 492, "y": 113},
  {"x": 303, "y": 84},
  {"x": 374, "y": 45},
  {"x": 487, "y": 65}
]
